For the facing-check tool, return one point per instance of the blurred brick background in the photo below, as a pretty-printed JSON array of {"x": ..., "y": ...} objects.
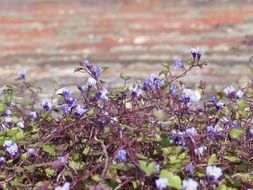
[{"x": 49, "y": 38}]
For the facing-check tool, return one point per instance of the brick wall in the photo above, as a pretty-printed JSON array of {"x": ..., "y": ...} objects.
[{"x": 48, "y": 38}]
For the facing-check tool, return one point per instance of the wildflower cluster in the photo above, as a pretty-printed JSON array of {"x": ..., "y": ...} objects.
[{"x": 159, "y": 134}]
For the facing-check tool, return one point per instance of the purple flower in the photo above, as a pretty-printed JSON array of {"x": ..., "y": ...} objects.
[
  {"x": 82, "y": 90},
  {"x": 71, "y": 102},
  {"x": 229, "y": 91},
  {"x": 173, "y": 88},
  {"x": 79, "y": 110},
  {"x": 8, "y": 113},
  {"x": 161, "y": 183},
  {"x": 33, "y": 115},
  {"x": 21, "y": 124},
  {"x": 121, "y": 155},
  {"x": 217, "y": 104},
  {"x": 251, "y": 131},
  {"x": 179, "y": 63},
  {"x": 234, "y": 124},
  {"x": 191, "y": 131},
  {"x": 101, "y": 123},
  {"x": 114, "y": 120},
  {"x": 200, "y": 150},
  {"x": 196, "y": 53},
  {"x": 65, "y": 108},
  {"x": 10, "y": 147},
  {"x": 102, "y": 94},
  {"x": 97, "y": 71},
  {"x": 8, "y": 120},
  {"x": 91, "y": 82},
  {"x": 213, "y": 129},
  {"x": 31, "y": 151},
  {"x": 135, "y": 91},
  {"x": 2, "y": 160},
  {"x": 94, "y": 70},
  {"x": 153, "y": 81},
  {"x": 47, "y": 105},
  {"x": 213, "y": 172},
  {"x": 239, "y": 94},
  {"x": 22, "y": 74},
  {"x": 190, "y": 168},
  {"x": 66, "y": 186},
  {"x": 190, "y": 184},
  {"x": 65, "y": 93},
  {"x": 189, "y": 96}
]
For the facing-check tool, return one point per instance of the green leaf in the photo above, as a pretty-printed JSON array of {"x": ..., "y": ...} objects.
[
  {"x": 50, "y": 172},
  {"x": 173, "y": 180},
  {"x": 236, "y": 133},
  {"x": 124, "y": 77},
  {"x": 49, "y": 149},
  {"x": 96, "y": 178},
  {"x": 76, "y": 165},
  {"x": 242, "y": 105},
  {"x": 2, "y": 107},
  {"x": 213, "y": 159},
  {"x": 232, "y": 159},
  {"x": 122, "y": 89},
  {"x": 148, "y": 168},
  {"x": 17, "y": 184},
  {"x": 160, "y": 115}
]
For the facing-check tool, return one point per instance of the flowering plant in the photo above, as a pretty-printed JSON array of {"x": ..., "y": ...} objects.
[{"x": 160, "y": 134}]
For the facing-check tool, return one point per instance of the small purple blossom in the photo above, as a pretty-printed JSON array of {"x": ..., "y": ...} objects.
[
  {"x": 22, "y": 74},
  {"x": 200, "y": 150},
  {"x": 91, "y": 82},
  {"x": 114, "y": 120},
  {"x": 2, "y": 160},
  {"x": 153, "y": 81},
  {"x": 161, "y": 183},
  {"x": 213, "y": 172},
  {"x": 213, "y": 129},
  {"x": 190, "y": 169},
  {"x": 217, "y": 104},
  {"x": 47, "y": 105},
  {"x": 31, "y": 151},
  {"x": 173, "y": 88},
  {"x": 33, "y": 115},
  {"x": 65, "y": 186},
  {"x": 8, "y": 120},
  {"x": 102, "y": 94},
  {"x": 80, "y": 110},
  {"x": 239, "y": 94},
  {"x": 21, "y": 124},
  {"x": 191, "y": 131},
  {"x": 65, "y": 93},
  {"x": 71, "y": 101},
  {"x": 229, "y": 91},
  {"x": 179, "y": 63},
  {"x": 189, "y": 96},
  {"x": 101, "y": 123},
  {"x": 8, "y": 113},
  {"x": 251, "y": 131},
  {"x": 135, "y": 91},
  {"x": 65, "y": 108},
  {"x": 82, "y": 89},
  {"x": 196, "y": 53},
  {"x": 190, "y": 184},
  {"x": 10, "y": 147},
  {"x": 94, "y": 70},
  {"x": 234, "y": 124},
  {"x": 121, "y": 155}
]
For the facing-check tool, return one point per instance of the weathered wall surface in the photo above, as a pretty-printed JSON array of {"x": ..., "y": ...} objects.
[{"x": 49, "y": 37}]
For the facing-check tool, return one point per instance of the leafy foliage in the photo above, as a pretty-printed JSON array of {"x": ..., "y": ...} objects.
[{"x": 159, "y": 134}]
